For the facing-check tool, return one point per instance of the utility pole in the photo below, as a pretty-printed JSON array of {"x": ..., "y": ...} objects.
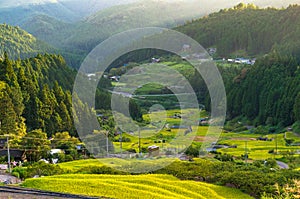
[
  {"x": 246, "y": 153},
  {"x": 276, "y": 145},
  {"x": 8, "y": 152},
  {"x": 140, "y": 151},
  {"x": 121, "y": 143},
  {"x": 107, "y": 154}
]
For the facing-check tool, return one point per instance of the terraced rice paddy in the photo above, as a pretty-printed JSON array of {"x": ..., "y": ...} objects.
[{"x": 133, "y": 186}]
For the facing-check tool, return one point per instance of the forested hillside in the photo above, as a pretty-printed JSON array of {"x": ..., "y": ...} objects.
[
  {"x": 247, "y": 30},
  {"x": 34, "y": 95},
  {"x": 76, "y": 39},
  {"x": 268, "y": 93},
  {"x": 86, "y": 34},
  {"x": 20, "y": 44}
]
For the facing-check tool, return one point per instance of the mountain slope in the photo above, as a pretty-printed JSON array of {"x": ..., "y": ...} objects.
[
  {"x": 247, "y": 30},
  {"x": 18, "y": 43},
  {"x": 88, "y": 33},
  {"x": 19, "y": 14},
  {"x": 16, "y": 12},
  {"x": 55, "y": 23}
]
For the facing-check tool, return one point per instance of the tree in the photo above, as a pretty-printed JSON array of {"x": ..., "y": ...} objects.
[
  {"x": 66, "y": 142},
  {"x": 36, "y": 145},
  {"x": 297, "y": 108},
  {"x": 58, "y": 92},
  {"x": 8, "y": 116}
]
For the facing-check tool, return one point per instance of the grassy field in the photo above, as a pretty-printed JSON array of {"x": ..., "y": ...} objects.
[
  {"x": 138, "y": 186},
  {"x": 257, "y": 150},
  {"x": 127, "y": 165},
  {"x": 155, "y": 133},
  {"x": 176, "y": 140}
]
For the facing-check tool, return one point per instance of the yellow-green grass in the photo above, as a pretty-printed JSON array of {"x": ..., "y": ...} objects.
[
  {"x": 131, "y": 187},
  {"x": 129, "y": 165},
  {"x": 79, "y": 164},
  {"x": 257, "y": 150},
  {"x": 151, "y": 135},
  {"x": 118, "y": 84}
]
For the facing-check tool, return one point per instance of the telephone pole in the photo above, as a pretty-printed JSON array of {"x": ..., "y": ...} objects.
[
  {"x": 107, "y": 153},
  {"x": 121, "y": 143},
  {"x": 246, "y": 153},
  {"x": 276, "y": 145},
  {"x": 140, "y": 151},
  {"x": 8, "y": 152}
]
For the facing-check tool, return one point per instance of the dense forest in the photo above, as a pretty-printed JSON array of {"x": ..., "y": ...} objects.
[
  {"x": 267, "y": 93},
  {"x": 35, "y": 92},
  {"x": 34, "y": 95},
  {"x": 247, "y": 30}
]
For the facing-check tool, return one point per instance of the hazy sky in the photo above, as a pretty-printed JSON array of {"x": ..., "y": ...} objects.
[{"x": 218, "y": 3}]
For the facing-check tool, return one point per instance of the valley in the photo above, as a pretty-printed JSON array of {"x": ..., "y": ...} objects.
[{"x": 152, "y": 129}]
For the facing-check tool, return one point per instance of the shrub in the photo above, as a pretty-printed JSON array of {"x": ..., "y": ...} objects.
[
  {"x": 192, "y": 151},
  {"x": 296, "y": 127},
  {"x": 43, "y": 169},
  {"x": 16, "y": 174},
  {"x": 224, "y": 157},
  {"x": 100, "y": 170},
  {"x": 68, "y": 158},
  {"x": 131, "y": 150},
  {"x": 20, "y": 172}
]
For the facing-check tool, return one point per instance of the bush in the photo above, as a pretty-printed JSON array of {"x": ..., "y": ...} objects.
[
  {"x": 43, "y": 169},
  {"x": 68, "y": 158},
  {"x": 289, "y": 141},
  {"x": 20, "y": 172},
  {"x": 192, "y": 151},
  {"x": 16, "y": 174},
  {"x": 271, "y": 163},
  {"x": 131, "y": 150},
  {"x": 124, "y": 139},
  {"x": 100, "y": 170},
  {"x": 224, "y": 157},
  {"x": 296, "y": 127}
]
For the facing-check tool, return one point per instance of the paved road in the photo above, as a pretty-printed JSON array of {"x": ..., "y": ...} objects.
[
  {"x": 18, "y": 193},
  {"x": 282, "y": 165}
]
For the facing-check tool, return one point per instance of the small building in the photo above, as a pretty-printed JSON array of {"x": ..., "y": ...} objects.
[
  {"x": 212, "y": 51},
  {"x": 91, "y": 76},
  {"x": 186, "y": 47},
  {"x": 15, "y": 154},
  {"x": 115, "y": 78},
  {"x": 56, "y": 151},
  {"x": 155, "y": 60},
  {"x": 3, "y": 143},
  {"x": 153, "y": 150}
]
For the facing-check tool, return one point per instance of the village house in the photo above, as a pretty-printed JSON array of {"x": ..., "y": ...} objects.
[
  {"x": 15, "y": 154},
  {"x": 153, "y": 150}
]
